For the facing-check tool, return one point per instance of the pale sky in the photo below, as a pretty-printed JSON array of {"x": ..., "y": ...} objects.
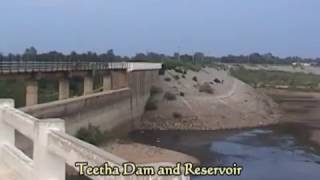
[{"x": 215, "y": 27}]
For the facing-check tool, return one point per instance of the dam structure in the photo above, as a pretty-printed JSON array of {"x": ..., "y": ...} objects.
[
  {"x": 125, "y": 89},
  {"x": 51, "y": 126}
]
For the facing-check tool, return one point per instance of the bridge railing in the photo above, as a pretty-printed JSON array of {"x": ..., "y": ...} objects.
[
  {"x": 50, "y": 66},
  {"x": 52, "y": 148}
]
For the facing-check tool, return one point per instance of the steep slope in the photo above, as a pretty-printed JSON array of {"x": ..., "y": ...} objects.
[{"x": 233, "y": 103}]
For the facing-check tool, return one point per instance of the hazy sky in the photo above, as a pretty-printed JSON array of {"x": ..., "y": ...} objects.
[{"x": 216, "y": 27}]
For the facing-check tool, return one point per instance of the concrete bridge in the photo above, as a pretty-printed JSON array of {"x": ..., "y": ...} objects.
[
  {"x": 120, "y": 104},
  {"x": 115, "y": 75}
]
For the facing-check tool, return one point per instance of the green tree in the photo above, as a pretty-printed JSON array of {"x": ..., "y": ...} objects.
[{"x": 30, "y": 54}]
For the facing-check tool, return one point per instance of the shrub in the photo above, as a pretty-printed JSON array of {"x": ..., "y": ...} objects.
[
  {"x": 176, "y": 77},
  {"x": 170, "y": 96},
  {"x": 185, "y": 71},
  {"x": 155, "y": 90},
  {"x": 178, "y": 70},
  {"x": 167, "y": 79},
  {"x": 195, "y": 78},
  {"x": 91, "y": 134},
  {"x": 151, "y": 105},
  {"x": 162, "y": 71},
  {"x": 183, "y": 76},
  {"x": 205, "y": 87},
  {"x": 181, "y": 93},
  {"x": 195, "y": 68},
  {"x": 176, "y": 115}
]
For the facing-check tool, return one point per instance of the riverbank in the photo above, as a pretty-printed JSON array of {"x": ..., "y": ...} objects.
[
  {"x": 210, "y": 99},
  {"x": 144, "y": 154},
  {"x": 315, "y": 137},
  {"x": 299, "y": 107},
  {"x": 272, "y": 152},
  {"x": 231, "y": 104}
]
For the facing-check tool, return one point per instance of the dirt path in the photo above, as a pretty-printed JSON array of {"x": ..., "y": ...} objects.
[{"x": 229, "y": 93}]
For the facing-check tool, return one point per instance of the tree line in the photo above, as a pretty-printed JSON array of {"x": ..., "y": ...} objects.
[{"x": 31, "y": 54}]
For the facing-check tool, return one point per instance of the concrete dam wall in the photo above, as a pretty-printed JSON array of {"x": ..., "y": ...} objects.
[{"x": 108, "y": 110}]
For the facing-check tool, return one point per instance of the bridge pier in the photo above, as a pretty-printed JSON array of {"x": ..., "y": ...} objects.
[
  {"x": 119, "y": 79},
  {"x": 87, "y": 85},
  {"x": 107, "y": 82},
  {"x": 31, "y": 92},
  {"x": 64, "y": 90}
]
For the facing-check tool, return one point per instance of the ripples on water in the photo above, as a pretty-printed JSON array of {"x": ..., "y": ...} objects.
[{"x": 265, "y": 154}]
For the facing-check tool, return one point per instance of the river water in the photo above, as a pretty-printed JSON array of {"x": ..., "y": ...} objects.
[{"x": 274, "y": 153}]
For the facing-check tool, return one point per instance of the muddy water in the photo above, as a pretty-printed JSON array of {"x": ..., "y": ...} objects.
[{"x": 275, "y": 153}]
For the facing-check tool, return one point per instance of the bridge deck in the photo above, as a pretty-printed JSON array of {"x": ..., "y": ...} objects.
[{"x": 51, "y": 66}]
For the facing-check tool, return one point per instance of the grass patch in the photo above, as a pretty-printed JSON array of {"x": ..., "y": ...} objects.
[
  {"x": 162, "y": 72},
  {"x": 176, "y": 77},
  {"x": 151, "y": 105},
  {"x": 170, "y": 96},
  {"x": 92, "y": 135},
  {"x": 167, "y": 79},
  {"x": 177, "y": 115},
  {"x": 218, "y": 67},
  {"x": 178, "y": 70},
  {"x": 264, "y": 78},
  {"x": 154, "y": 90},
  {"x": 194, "y": 78},
  {"x": 181, "y": 67}
]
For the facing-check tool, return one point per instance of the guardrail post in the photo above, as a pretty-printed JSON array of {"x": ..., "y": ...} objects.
[
  {"x": 6, "y": 131},
  {"x": 47, "y": 165}
]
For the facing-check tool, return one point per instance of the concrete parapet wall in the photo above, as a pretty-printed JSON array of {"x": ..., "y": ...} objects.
[
  {"x": 53, "y": 149},
  {"x": 106, "y": 110}
]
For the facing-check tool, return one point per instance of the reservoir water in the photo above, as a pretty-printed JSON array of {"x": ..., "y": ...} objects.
[{"x": 277, "y": 153}]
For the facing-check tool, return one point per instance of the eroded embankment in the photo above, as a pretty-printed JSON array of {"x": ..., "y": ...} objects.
[
  {"x": 299, "y": 107},
  {"x": 230, "y": 104}
]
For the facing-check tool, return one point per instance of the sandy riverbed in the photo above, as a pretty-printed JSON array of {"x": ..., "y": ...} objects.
[{"x": 142, "y": 154}]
